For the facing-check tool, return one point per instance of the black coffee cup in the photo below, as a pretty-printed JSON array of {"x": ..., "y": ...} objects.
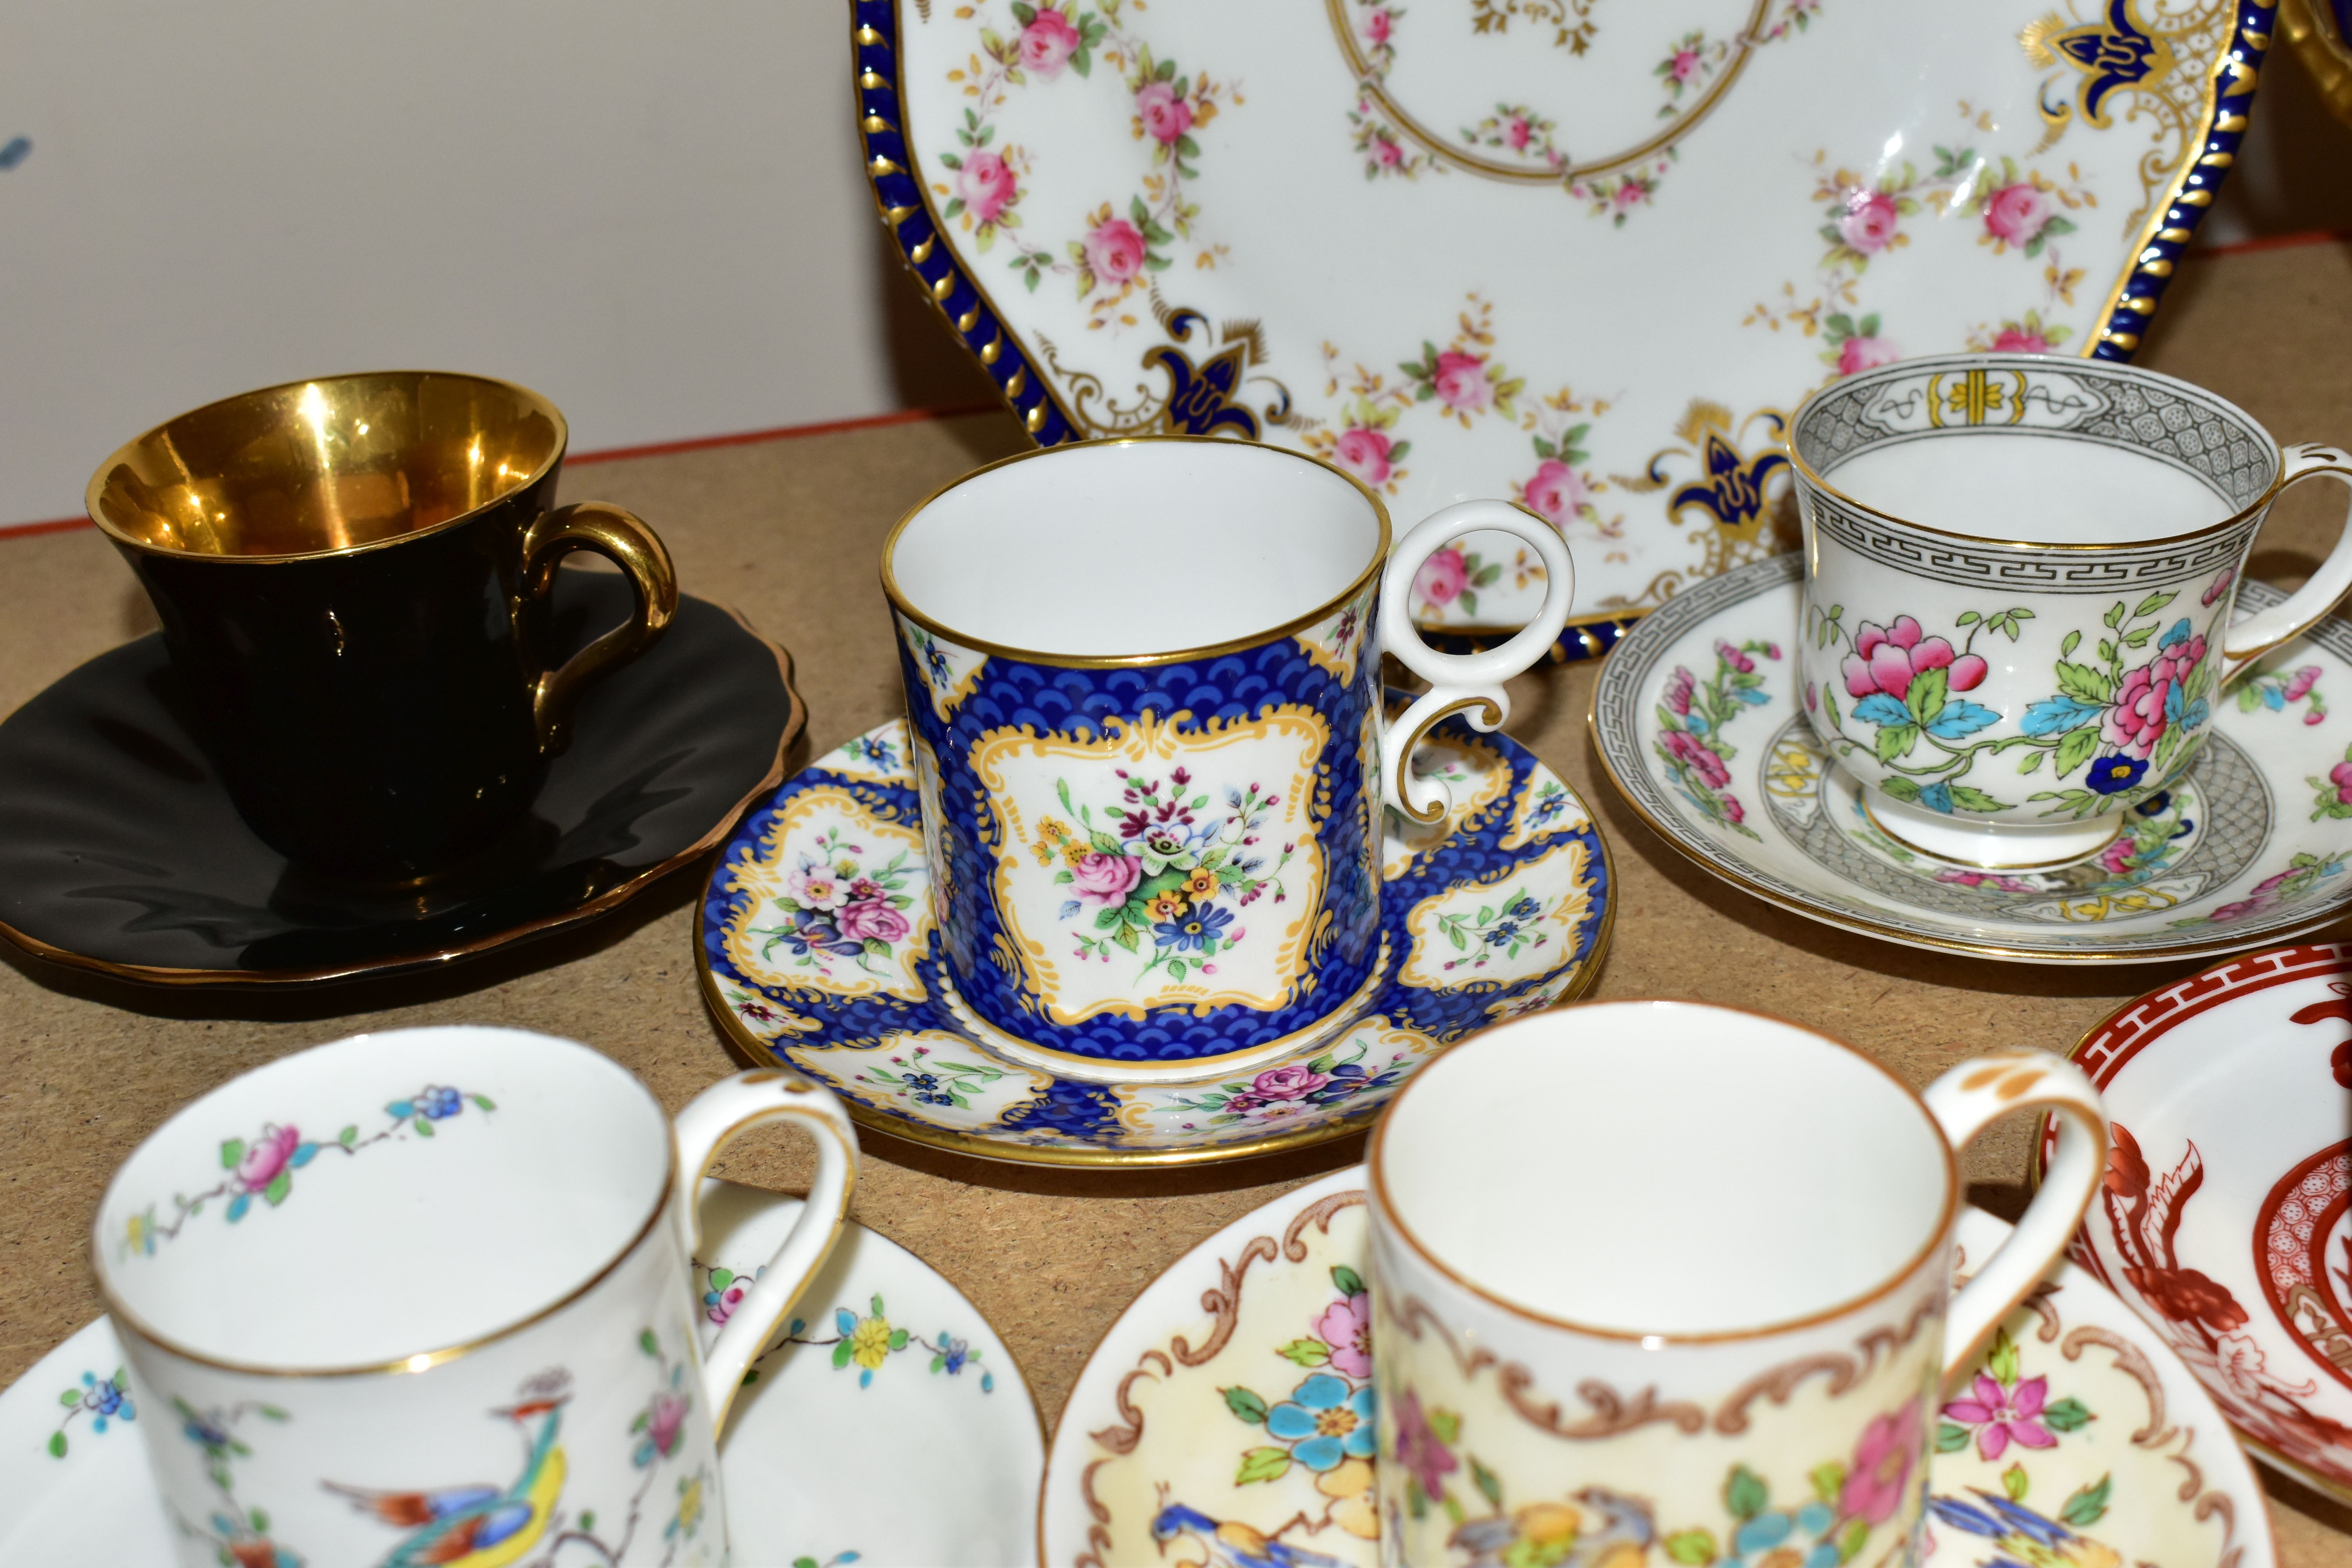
[{"x": 353, "y": 577}]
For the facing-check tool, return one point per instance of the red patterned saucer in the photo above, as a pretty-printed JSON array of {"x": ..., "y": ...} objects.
[{"x": 2226, "y": 1220}]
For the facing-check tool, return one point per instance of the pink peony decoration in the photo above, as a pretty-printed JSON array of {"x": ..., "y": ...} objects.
[
  {"x": 1888, "y": 659},
  {"x": 2018, "y": 341},
  {"x": 2137, "y": 719}
]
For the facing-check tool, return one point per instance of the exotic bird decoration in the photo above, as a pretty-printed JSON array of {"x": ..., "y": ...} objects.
[{"x": 483, "y": 1526}]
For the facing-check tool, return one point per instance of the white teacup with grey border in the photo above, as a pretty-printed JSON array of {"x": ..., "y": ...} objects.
[{"x": 2019, "y": 578}]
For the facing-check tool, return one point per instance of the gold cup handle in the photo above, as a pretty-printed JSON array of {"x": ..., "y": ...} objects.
[{"x": 623, "y": 539}]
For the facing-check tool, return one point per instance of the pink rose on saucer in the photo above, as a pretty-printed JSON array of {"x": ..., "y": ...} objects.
[
  {"x": 1047, "y": 43},
  {"x": 1165, "y": 115},
  {"x": 985, "y": 183},
  {"x": 1287, "y": 1083},
  {"x": 1115, "y": 251},
  {"x": 1882, "y": 1467},
  {"x": 2018, "y": 341},
  {"x": 2016, "y": 212},
  {"x": 1462, "y": 383},
  {"x": 1442, "y": 578},
  {"x": 267, "y": 1157},
  {"x": 1865, "y": 354},
  {"x": 1685, "y": 63},
  {"x": 1555, "y": 493},
  {"x": 1105, "y": 879},
  {"x": 1868, "y": 222},
  {"x": 1377, "y": 27},
  {"x": 1366, "y": 454},
  {"x": 1386, "y": 153},
  {"x": 1700, "y": 759},
  {"x": 1346, "y": 1327},
  {"x": 1733, "y": 812},
  {"x": 1517, "y": 133},
  {"x": 872, "y": 922},
  {"x": 2340, "y": 776}
]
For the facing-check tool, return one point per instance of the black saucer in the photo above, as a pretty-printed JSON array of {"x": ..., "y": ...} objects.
[{"x": 120, "y": 853}]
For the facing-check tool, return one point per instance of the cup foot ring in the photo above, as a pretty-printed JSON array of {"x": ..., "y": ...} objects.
[{"x": 1983, "y": 846}]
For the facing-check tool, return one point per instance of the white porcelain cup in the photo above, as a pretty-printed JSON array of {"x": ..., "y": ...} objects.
[
  {"x": 1662, "y": 1272},
  {"x": 425, "y": 1296},
  {"x": 2021, "y": 573}
]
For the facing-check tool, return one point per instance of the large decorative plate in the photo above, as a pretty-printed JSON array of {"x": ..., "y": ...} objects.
[
  {"x": 1502, "y": 909},
  {"x": 1698, "y": 722},
  {"x": 1215, "y": 1417},
  {"x": 1581, "y": 253}
]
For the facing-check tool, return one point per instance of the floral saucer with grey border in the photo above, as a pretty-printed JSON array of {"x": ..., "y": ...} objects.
[
  {"x": 1228, "y": 1414},
  {"x": 1699, "y": 719},
  {"x": 889, "y": 1386},
  {"x": 817, "y": 954}
]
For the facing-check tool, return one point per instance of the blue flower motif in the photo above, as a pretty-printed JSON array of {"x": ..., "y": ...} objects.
[
  {"x": 1937, "y": 796},
  {"x": 1324, "y": 1422},
  {"x": 953, "y": 1354},
  {"x": 1523, "y": 908},
  {"x": 437, "y": 1103},
  {"x": 2114, "y": 774},
  {"x": 1695, "y": 722},
  {"x": 1748, "y": 695},
  {"x": 813, "y": 930},
  {"x": 1503, "y": 932},
  {"x": 2153, "y": 804},
  {"x": 2273, "y": 699},
  {"x": 2175, "y": 635},
  {"x": 1201, "y": 927}
]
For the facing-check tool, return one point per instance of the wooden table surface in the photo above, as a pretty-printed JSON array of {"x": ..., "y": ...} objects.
[{"x": 788, "y": 531}]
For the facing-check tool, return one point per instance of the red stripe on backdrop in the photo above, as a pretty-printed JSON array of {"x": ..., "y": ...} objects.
[
  {"x": 2274, "y": 242},
  {"x": 655, "y": 449}
]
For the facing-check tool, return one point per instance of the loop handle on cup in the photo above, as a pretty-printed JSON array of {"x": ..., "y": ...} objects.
[
  {"x": 1972, "y": 1097},
  {"x": 2257, "y": 635},
  {"x": 1467, "y": 683},
  {"x": 711, "y": 1120},
  {"x": 623, "y": 539}
]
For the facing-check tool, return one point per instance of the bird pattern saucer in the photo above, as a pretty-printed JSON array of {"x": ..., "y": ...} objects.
[
  {"x": 889, "y": 1388},
  {"x": 1699, "y": 719},
  {"x": 2226, "y": 1217},
  {"x": 1502, "y": 909},
  {"x": 1228, "y": 1414}
]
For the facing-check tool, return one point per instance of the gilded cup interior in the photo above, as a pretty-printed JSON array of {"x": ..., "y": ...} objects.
[{"x": 314, "y": 468}]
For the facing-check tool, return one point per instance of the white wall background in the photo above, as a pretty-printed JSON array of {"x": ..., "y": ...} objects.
[{"x": 654, "y": 214}]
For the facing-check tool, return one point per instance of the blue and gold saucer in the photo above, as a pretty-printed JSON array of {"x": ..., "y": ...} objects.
[{"x": 1502, "y": 909}]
